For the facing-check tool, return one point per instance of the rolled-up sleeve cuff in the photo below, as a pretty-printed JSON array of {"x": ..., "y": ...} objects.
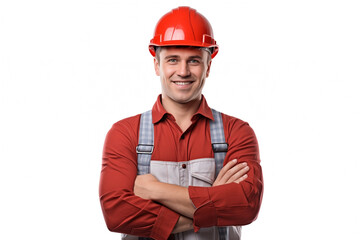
[
  {"x": 164, "y": 224},
  {"x": 205, "y": 213}
]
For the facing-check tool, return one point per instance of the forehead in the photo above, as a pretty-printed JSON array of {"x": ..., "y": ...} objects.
[{"x": 182, "y": 51}]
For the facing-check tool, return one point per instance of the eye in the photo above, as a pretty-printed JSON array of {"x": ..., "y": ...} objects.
[
  {"x": 172, "y": 60},
  {"x": 194, "y": 61}
]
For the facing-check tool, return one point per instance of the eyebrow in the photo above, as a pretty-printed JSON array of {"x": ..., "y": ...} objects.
[
  {"x": 177, "y": 56},
  {"x": 196, "y": 56},
  {"x": 171, "y": 56}
]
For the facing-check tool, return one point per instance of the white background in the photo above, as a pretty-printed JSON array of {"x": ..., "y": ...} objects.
[{"x": 70, "y": 69}]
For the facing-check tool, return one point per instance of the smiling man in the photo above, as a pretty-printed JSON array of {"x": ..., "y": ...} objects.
[{"x": 182, "y": 170}]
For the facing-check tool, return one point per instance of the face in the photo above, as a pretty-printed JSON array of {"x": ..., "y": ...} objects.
[{"x": 182, "y": 73}]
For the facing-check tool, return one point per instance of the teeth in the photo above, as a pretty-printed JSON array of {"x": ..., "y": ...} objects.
[{"x": 182, "y": 83}]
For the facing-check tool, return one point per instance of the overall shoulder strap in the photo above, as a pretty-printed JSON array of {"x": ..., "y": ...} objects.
[
  {"x": 220, "y": 148},
  {"x": 146, "y": 143},
  {"x": 218, "y": 142},
  {"x": 145, "y": 146}
]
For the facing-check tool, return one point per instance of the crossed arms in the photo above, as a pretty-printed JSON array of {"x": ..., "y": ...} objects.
[{"x": 177, "y": 197}]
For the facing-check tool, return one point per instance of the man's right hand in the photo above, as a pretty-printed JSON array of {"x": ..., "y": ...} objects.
[{"x": 232, "y": 172}]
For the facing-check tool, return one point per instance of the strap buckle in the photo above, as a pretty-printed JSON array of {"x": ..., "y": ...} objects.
[
  {"x": 220, "y": 147},
  {"x": 144, "y": 149}
]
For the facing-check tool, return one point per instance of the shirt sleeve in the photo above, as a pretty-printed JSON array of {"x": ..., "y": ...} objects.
[
  {"x": 232, "y": 204},
  {"x": 123, "y": 211}
]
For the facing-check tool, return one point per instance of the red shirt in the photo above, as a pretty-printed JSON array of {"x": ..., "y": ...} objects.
[{"x": 226, "y": 205}]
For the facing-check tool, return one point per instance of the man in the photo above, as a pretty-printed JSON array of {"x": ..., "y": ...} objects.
[{"x": 181, "y": 193}]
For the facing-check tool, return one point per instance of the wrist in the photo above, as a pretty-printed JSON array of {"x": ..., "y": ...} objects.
[{"x": 183, "y": 224}]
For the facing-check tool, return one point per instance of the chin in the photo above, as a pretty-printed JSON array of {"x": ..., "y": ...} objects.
[{"x": 184, "y": 100}]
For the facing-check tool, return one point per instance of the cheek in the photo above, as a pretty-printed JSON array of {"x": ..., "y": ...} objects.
[
  {"x": 201, "y": 74},
  {"x": 167, "y": 73}
]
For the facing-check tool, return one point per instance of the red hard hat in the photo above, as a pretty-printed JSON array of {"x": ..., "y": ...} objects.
[{"x": 183, "y": 26}]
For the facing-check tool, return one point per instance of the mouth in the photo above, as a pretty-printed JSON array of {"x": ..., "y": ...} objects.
[{"x": 182, "y": 83}]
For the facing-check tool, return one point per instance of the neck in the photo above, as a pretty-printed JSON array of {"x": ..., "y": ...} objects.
[{"x": 182, "y": 112}]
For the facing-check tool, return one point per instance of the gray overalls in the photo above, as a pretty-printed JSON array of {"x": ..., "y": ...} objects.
[{"x": 198, "y": 172}]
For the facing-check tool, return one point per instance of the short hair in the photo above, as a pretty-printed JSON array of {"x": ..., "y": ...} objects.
[{"x": 158, "y": 49}]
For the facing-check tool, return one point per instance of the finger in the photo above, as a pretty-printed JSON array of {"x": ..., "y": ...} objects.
[
  {"x": 233, "y": 171},
  {"x": 238, "y": 174},
  {"x": 223, "y": 171},
  {"x": 241, "y": 179},
  {"x": 228, "y": 166}
]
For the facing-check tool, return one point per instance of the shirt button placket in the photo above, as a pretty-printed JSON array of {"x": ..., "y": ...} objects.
[
  {"x": 182, "y": 174},
  {"x": 183, "y": 170}
]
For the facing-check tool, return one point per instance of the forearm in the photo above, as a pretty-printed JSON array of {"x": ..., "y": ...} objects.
[
  {"x": 126, "y": 213},
  {"x": 226, "y": 205},
  {"x": 174, "y": 197}
]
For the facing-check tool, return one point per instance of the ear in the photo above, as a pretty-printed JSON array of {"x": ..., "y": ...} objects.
[
  {"x": 156, "y": 66},
  {"x": 208, "y": 68}
]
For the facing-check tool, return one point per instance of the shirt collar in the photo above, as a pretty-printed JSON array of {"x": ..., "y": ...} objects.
[{"x": 158, "y": 111}]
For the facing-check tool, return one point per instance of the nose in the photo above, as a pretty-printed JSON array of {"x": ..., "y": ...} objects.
[{"x": 184, "y": 70}]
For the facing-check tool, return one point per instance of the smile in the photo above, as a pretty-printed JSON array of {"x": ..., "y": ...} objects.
[{"x": 182, "y": 83}]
